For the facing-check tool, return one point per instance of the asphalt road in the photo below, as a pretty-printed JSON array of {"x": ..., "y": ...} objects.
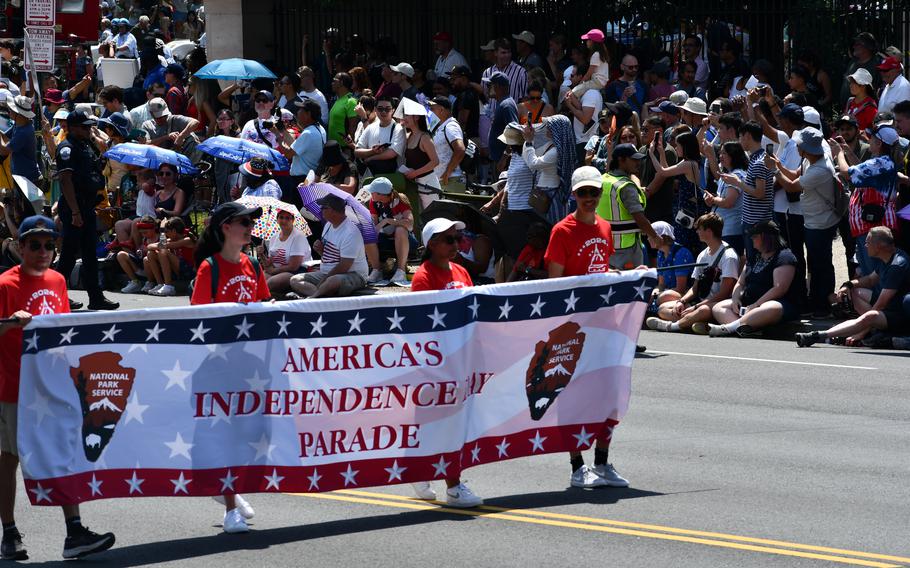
[{"x": 740, "y": 453}]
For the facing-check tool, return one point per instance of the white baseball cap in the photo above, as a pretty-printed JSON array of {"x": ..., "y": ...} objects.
[
  {"x": 586, "y": 176},
  {"x": 404, "y": 69},
  {"x": 439, "y": 225},
  {"x": 811, "y": 117},
  {"x": 525, "y": 36}
]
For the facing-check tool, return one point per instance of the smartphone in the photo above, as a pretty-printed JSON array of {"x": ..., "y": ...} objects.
[
  {"x": 386, "y": 145},
  {"x": 769, "y": 148},
  {"x": 742, "y": 311},
  {"x": 529, "y": 117}
]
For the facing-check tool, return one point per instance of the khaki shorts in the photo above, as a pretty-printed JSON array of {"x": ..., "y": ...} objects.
[
  {"x": 8, "y": 428},
  {"x": 350, "y": 281}
]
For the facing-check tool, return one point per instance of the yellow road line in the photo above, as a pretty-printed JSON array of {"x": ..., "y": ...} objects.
[
  {"x": 407, "y": 503},
  {"x": 595, "y": 520}
]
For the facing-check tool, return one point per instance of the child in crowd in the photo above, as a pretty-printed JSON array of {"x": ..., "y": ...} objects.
[
  {"x": 132, "y": 258},
  {"x": 170, "y": 256},
  {"x": 530, "y": 264},
  {"x": 671, "y": 284},
  {"x": 599, "y": 69}
]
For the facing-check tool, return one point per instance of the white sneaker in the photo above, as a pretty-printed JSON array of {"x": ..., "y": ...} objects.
[
  {"x": 586, "y": 478},
  {"x": 149, "y": 286},
  {"x": 462, "y": 497},
  {"x": 424, "y": 490},
  {"x": 154, "y": 291},
  {"x": 400, "y": 278},
  {"x": 131, "y": 288},
  {"x": 166, "y": 290},
  {"x": 715, "y": 330},
  {"x": 234, "y": 522},
  {"x": 246, "y": 510},
  {"x": 658, "y": 324},
  {"x": 375, "y": 276},
  {"x": 608, "y": 473}
]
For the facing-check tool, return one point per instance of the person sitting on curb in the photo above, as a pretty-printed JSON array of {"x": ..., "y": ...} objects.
[
  {"x": 877, "y": 297},
  {"x": 671, "y": 284}
]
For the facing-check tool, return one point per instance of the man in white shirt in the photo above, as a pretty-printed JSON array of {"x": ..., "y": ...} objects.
[
  {"x": 381, "y": 146},
  {"x": 583, "y": 112},
  {"x": 125, "y": 42},
  {"x": 309, "y": 91},
  {"x": 449, "y": 141},
  {"x": 448, "y": 58},
  {"x": 518, "y": 76},
  {"x": 897, "y": 88}
]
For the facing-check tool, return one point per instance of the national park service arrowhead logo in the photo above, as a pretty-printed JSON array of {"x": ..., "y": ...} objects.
[
  {"x": 552, "y": 367},
  {"x": 103, "y": 386}
]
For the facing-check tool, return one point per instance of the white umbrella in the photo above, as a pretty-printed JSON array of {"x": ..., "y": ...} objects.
[{"x": 180, "y": 48}]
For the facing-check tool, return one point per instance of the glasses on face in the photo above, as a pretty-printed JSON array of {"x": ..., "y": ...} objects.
[
  {"x": 225, "y": 119},
  {"x": 383, "y": 109},
  {"x": 166, "y": 174},
  {"x": 584, "y": 192},
  {"x": 35, "y": 246},
  {"x": 534, "y": 98},
  {"x": 244, "y": 221},
  {"x": 450, "y": 239}
]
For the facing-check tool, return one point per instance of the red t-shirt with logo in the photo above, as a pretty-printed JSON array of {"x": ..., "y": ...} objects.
[
  {"x": 579, "y": 247},
  {"x": 431, "y": 277},
  {"x": 237, "y": 282},
  {"x": 37, "y": 295}
]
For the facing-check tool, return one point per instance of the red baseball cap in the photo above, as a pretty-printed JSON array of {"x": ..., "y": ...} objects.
[
  {"x": 443, "y": 36},
  {"x": 889, "y": 64}
]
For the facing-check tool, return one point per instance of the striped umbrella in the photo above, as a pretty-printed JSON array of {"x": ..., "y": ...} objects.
[
  {"x": 355, "y": 211},
  {"x": 266, "y": 225}
]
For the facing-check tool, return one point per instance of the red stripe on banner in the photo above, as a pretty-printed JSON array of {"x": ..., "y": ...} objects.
[{"x": 141, "y": 482}]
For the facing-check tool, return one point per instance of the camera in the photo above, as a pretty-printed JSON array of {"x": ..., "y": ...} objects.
[
  {"x": 684, "y": 220},
  {"x": 268, "y": 124}
]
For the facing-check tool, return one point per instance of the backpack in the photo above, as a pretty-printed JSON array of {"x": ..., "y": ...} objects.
[
  {"x": 468, "y": 164},
  {"x": 841, "y": 202},
  {"x": 214, "y": 268}
]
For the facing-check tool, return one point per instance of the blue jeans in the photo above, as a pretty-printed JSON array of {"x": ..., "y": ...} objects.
[{"x": 821, "y": 268}]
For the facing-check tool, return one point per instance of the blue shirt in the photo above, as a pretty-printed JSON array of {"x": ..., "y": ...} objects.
[
  {"x": 732, "y": 216},
  {"x": 614, "y": 94},
  {"x": 23, "y": 157},
  {"x": 678, "y": 255},
  {"x": 506, "y": 112},
  {"x": 308, "y": 150}
]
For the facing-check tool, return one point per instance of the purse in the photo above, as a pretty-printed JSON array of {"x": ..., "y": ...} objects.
[
  {"x": 539, "y": 200},
  {"x": 707, "y": 278}
]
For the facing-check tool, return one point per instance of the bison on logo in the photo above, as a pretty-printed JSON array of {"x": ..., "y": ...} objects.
[
  {"x": 552, "y": 367},
  {"x": 103, "y": 386}
]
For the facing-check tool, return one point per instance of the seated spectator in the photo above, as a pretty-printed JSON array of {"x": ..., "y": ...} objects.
[
  {"x": 171, "y": 131},
  {"x": 285, "y": 254},
  {"x": 671, "y": 284},
  {"x": 257, "y": 179},
  {"x": 531, "y": 264},
  {"x": 337, "y": 170},
  {"x": 344, "y": 264},
  {"x": 438, "y": 271},
  {"x": 258, "y": 129},
  {"x": 173, "y": 256},
  {"x": 763, "y": 295},
  {"x": 711, "y": 283},
  {"x": 394, "y": 222},
  {"x": 132, "y": 258},
  {"x": 170, "y": 200},
  {"x": 878, "y": 297}
]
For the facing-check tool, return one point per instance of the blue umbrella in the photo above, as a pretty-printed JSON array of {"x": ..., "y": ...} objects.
[
  {"x": 148, "y": 156},
  {"x": 238, "y": 151},
  {"x": 234, "y": 69}
]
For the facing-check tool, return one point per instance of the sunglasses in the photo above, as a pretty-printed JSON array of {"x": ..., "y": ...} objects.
[
  {"x": 165, "y": 174},
  {"x": 588, "y": 192},
  {"x": 450, "y": 239},
  {"x": 35, "y": 246},
  {"x": 383, "y": 109},
  {"x": 534, "y": 98},
  {"x": 244, "y": 221},
  {"x": 225, "y": 119}
]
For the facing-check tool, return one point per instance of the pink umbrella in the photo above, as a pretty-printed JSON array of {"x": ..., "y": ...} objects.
[{"x": 355, "y": 211}]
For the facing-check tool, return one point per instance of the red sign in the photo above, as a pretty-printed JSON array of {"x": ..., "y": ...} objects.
[{"x": 40, "y": 13}]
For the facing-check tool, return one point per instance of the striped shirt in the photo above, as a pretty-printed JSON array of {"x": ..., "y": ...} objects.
[
  {"x": 758, "y": 210},
  {"x": 518, "y": 79}
]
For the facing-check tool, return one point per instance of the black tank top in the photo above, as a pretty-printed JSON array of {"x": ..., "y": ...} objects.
[{"x": 415, "y": 158}]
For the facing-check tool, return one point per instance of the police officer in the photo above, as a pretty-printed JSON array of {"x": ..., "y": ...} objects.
[
  {"x": 79, "y": 169},
  {"x": 623, "y": 205}
]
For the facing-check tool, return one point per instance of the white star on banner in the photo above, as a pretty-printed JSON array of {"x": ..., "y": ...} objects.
[
  {"x": 176, "y": 376},
  {"x": 283, "y": 325},
  {"x": 68, "y": 336},
  {"x": 58, "y": 353},
  {"x": 537, "y": 442},
  {"x": 608, "y": 295},
  {"x": 179, "y": 447},
  {"x": 349, "y": 476},
  {"x": 180, "y": 484},
  {"x": 583, "y": 437},
  {"x": 441, "y": 466},
  {"x": 503, "y": 447},
  {"x": 154, "y": 332},
  {"x": 243, "y": 330},
  {"x": 537, "y": 307},
  {"x": 317, "y": 326},
  {"x": 138, "y": 346},
  {"x": 257, "y": 384},
  {"x": 273, "y": 480},
  {"x": 475, "y": 453},
  {"x": 504, "y": 310},
  {"x": 395, "y": 320},
  {"x": 95, "y": 486},
  {"x": 355, "y": 323},
  {"x": 41, "y": 407},
  {"x": 227, "y": 482},
  {"x": 314, "y": 479},
  {"x": 571, "y": 301},
  {"x": 41, "y": 493},
  {"x": 110, "y": 334},
  {"x": 474, "y": 306},
  {"x": 32, "y": 342},
  {"x": 640, "y": 290},
  {"x": 437, "y": 318},
  {"x": 263, "y": 448},
  {"x": 135, "y": 484},
  {"x": 218, "y": 351},
  {"x": 134, "y": 409},
  {"x": 394, "y": 471},
  {"x": 199, "y": 333}
]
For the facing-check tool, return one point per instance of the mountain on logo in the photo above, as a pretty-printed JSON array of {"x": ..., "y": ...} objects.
[
  {"x": 104, "y": 386},
  {"x": 106, "y": 404},
  {"x": 552, "y": 366},
  {"x": 558, "y": 369}
]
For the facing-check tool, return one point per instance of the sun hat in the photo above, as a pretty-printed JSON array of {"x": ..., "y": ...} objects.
[
  {"x": 21, "y": 105},
  {"x": 257, "y": 167},
  {"x": 696, "y": 106},
  {"x": 663, "y": 229}
]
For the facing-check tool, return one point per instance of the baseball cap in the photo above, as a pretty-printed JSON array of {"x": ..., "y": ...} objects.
[
  {"x": 227, "y": 211},
  {"x": 627, "y": 151},
  {"x": 663, "y": 229},
  {"x": 380, "y": 185},
  {"x": 489, "y": 46},
  {"x": 499, "y": 78},
  {"x": 61, "y": 114},
  {"x": 887, "y": 134},
  {"x": 81, "y": 117},
  {"x": 442, "y": 36},
  {"x": 158, "y": 108},
  {"x": 889, "y": 64},
  {"x": 403, "y": 68},
  {"x": 587, "y": 176},
  {"x": 460, "y": 71},
  {"x": 811, "y": 117},
  {"x": 442, "y": 101},
  {"x": 439, "y": 225},
  {"x": 264, "y": 93},
  {"x": 846, "y": 119},
  {"x": 862, "y": 76},
  {"x": 792, "y": 112},
  {"x": 331, "y": 201},
  {"x": 679, "y": 98},
  {"x": 604, "y": 115},
  {"x": 525, "y": 36},
  {"x": 594, "y": 35},
  {"x": 667, "y": 107},
  {"x": 37, "y": 225},
  {"x": 867, "y": 40}
]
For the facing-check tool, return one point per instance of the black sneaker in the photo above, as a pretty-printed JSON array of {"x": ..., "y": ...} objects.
[
  {"x": 12, "y": 548},
  {"x": 74, "y": 305},
  {"x": 102, "y": 303},
  {"x": 86, "y": 542},
  {"x": 807, "y": 339},
  {"x": 640, "y": 348}
]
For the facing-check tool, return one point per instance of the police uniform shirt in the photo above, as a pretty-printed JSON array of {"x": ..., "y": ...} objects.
[{"x": 77, "y": 157}]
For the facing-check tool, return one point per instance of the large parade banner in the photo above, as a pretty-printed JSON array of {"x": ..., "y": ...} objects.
[{"x": 319, "y": 395}]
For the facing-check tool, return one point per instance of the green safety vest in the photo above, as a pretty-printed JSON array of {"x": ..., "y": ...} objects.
[{"x": 626, "y": 233}]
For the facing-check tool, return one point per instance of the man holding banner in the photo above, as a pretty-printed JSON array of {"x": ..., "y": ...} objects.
[{"x": 31, "y": 288}]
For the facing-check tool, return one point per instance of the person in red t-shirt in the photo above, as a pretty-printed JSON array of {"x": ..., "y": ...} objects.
[
  {"x": 582, "y": 244},
  {"x": 438, "y": 272},
  {"x": 530, "y": 264},
  {"x": 394, "y": 221},
  {"x": 27, "y": 290}
]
